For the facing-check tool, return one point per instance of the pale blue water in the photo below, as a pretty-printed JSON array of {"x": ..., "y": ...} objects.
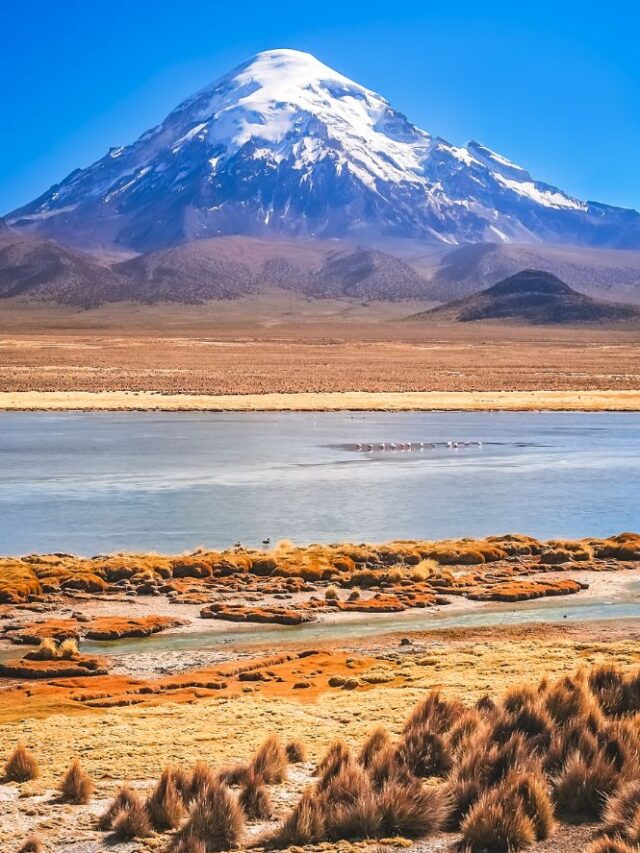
[{"x": 89, "y": 483}]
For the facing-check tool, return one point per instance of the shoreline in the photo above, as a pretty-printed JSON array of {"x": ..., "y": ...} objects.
[{"x": 363, "y": 401}]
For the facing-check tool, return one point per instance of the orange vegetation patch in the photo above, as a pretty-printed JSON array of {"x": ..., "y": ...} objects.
[
  {"x": 288, "y": 569},
  {"x": 526, "y": 590},
  {"x": 58, "y": 668},
  {"x": 280, "y": 675},
  {"x": 100, "y": 628},
  {"x": 269, "y": 615}
]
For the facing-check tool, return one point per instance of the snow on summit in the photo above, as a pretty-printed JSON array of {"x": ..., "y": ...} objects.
[{"x": 284, "y": 144}]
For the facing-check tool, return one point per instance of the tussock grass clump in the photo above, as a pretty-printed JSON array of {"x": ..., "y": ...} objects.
[
  {"x": 131, "y": 822},
  {"x": 296, "y": 752},
  {"x": 468, "y": 724},
  {"x": 493, "y": 824},
  {"x": 332, "y": 593},
  {"x": 581, "y": 788},
  {"x": 255, "y": 799},
  {"x": 434, "y": 714},
  {"x": 125, "y": 798},
  {"x": 32, "y": 845},
  {"x": 305, "y": 824},
  {"x": 234, "y": 775},
  {"x": 378, "y": 740},
  {"x": 606, "y": 844},
  {"x": 622, "y": 811},
  {"x": 165, "y": 805},
  {"x": 425, "y": 753},
  {"x": 412, "y": 810},
  {"x": 216, "y": 821},
  {"x": 532, "y": 722},
  {"x": 530, "y": 791},
  {"x": 337, "y": 755},
  {"x": 201, "y": 778},
  {"x": 76, "y": 786},
  {"x": 270, "y": 761},
  {"x": 22, "y": 766},
  {"x": 519, "y": 697}
]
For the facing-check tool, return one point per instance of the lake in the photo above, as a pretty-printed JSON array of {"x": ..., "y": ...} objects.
[{"x": 97, "y": 482}]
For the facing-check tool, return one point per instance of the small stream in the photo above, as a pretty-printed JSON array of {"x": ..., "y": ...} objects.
[{"x": 569, "y": 609}]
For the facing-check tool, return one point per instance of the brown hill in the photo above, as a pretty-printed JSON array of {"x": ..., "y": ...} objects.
[
  {"x": 607, "y": 273},
  {"x": 534, "y": 297},
  {"x": 231, "y": 267},
  {"x": 34, "y": 268}
]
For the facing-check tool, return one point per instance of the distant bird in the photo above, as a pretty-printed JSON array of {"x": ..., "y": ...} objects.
[
  {"x": 382, "y": 447},
  {"x": 358, "y": 447},
  {"x": 392, "y": 446},
  {"x": 266, "y": 541}
]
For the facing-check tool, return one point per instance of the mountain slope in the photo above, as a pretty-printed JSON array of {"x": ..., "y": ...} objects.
[
  {"x": 283, "y": 145},
  {"x": 35, "y": 268},
  {"x": 534, "y": 297},
  {"x": 232, "y": 267},
  {"x": 607, "y": 273}
]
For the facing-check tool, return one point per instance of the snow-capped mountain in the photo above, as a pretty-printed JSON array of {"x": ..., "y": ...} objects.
[{"x": 283, "y": 145}]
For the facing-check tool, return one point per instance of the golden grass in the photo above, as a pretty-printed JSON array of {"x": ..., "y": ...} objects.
[{"x": 623, "y": 400}]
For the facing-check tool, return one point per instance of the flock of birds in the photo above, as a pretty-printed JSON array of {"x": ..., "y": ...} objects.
[{"x": 414, "y": 445}]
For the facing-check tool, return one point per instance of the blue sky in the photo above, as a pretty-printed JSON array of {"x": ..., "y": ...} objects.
[{"x": 553, "y": 86}]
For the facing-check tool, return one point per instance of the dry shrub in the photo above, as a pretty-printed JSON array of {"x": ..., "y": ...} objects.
[
  {"x": 22, "y": 766},
  {"x": 201, "y": 778},
  {"x": 270, "y": 761},
  {"x": 352, "y": 821},
  {"x": 568, "y": 701},
  {"x": 351, "y": 806},
  {"x": 165, "y": 805},
  {"x": 47, "y": 650},
  {"x": 566, "y": 741},
  {"x": 32, "y": 845},
  {"x": 188, "y": 844},
  {"x": 469, "y": 723},
  {"x": 532, "y": 722},
  {"x": 412, "y": 810},
  {"x": 581, "y": 787},
  {"x": 486, "y": 707},
  {"x": 619, "y": 744},
  {"x": 424, "y": 753},
  {"x": 124, "y": 799},
  {"x": 607, "y": 685},
  {"x": 305, "y": 824},
  {"x": 516, "y": 698},
  {"x": 68, "y": 649},
  {"x": 255, "y": 799},
  {"x": 609, "y": 845},
  {"x": 496, "y": 825},
  {"x": 434, "y": 714},
  {"x": 337, "y": 755},
  {"x": 530, "y": 791},
  {"x": 332, "y": 593},
  {"x": 216, "y": 820},
  {"x": 76, "y": 787},
  {"x": 131, "y": 821},
  {"x": 235, "y": 774},
  {"x": 386, "y": 766},
  {"x": 378, "y": 740},
  {"x": 296, "y": 752},
  {"x": 622, "y": 809}
]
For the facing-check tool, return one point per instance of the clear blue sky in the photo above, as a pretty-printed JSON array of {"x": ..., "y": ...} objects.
[{"x": 554, "y": 86}]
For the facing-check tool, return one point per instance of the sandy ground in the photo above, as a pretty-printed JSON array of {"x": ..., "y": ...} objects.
[{"x": 582, "y": 401}]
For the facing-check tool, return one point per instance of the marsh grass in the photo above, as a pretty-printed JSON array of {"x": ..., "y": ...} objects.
[
  {"x": 76, "y": 786},
  {"x": 22, "y": 766}
]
